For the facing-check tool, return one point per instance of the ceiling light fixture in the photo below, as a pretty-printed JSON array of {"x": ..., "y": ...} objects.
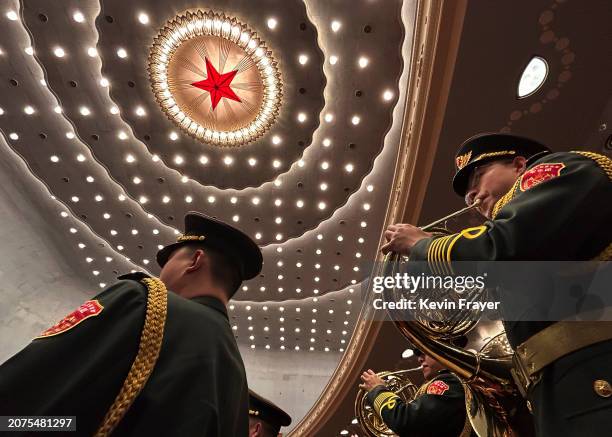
[{"x": 533, "y": 77}]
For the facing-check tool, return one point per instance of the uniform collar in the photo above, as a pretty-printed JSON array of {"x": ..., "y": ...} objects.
[{"x": 212, "y": 302}]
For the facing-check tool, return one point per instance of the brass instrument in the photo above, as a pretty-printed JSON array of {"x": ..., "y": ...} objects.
[
  {"x": 493, "y": 404},
  {"x": 400, "y": 384}
]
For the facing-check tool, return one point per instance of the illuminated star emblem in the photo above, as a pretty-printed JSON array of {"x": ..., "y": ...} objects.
[{"x": 218, "y": 85}]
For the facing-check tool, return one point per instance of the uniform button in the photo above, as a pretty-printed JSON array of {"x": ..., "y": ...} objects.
[{"x": 602, "y": 388}]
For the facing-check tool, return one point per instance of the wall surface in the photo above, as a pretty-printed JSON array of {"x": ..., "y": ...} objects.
[{"x": 292, "y": 380}]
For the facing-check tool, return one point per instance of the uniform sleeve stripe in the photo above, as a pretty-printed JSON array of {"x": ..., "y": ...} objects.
[{"x": 383, "y": 399}]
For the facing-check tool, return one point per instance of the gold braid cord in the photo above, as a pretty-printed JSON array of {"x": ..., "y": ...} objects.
[
  {"x": 148, "y": 352},
  {"x": 605, "y": 164},
  {"x": 505, "y": 199}
]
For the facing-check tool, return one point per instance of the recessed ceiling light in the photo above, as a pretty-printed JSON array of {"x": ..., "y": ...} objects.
[
  {"x": 387, "y": 95},
  {"x": 276, "y": 140},
  {"x": 329, "y": 117},
  {"x": 234, "y": 199},
  {"x": 370, "y": 188},
  {"x": 333, "y": 59},
  {"x": 299, "y": 203},
  {"x": 29, "y": 50},
  {"x": 122, "y": 135},
  {"x": 143, "y": 199},
  {"x": 335, "y": 25},
  {"x": 303, "y": 59},
  {"x": 143, "y": 18},
  {"x": 84, "y": 110},
  {"x": 323, "y": 186},
  {"x": 92, "y": 52},
  {"x": 533, "y": 77},
  {"x": 211, "y": 199},
  {"x": 188, "y": 199},
  {"x": 89, "y": 179},
  {"x": 173, "y": 136},
  {"x": 59, "y": 52},
  {"x": 326, "y": 142},
  {"x": 78, "y": 17},
  {"x": 57, "y": 109},
  {"x": 140, "y": 111},
  {"x": 272, "y": 23},
  {"x": 349, "y": 168},
  {"x": 122, "y": 53},
  {"x": 252, "y": 161},
  {"x": 355, "y": 120},
  {"x": 104, "y": 82},
  {"x": 54, "y": 158},
  {"x": 13, "y": 136},
  {"x": 228, "y": 160},
  {"x": 28, "y": 110},
  {"x": 325, "y": 165},
  {"x": 129, "y": 158},
  {"x": 322, "y": 205},
  {"x": 363, "y": 62},
  {"x": 165, "y": 199},
  {"x": 136, "y": 180},
  {"x": 301, "y": 117},
  {"x": 178, "y": 160},
  {"x": 80, "y": 157},
  {"x": 203, "y": 159},
  {"x": 69, "y": 135},
  {"x": 12, "y": 15},
  {"x": 276, "y": 163}
]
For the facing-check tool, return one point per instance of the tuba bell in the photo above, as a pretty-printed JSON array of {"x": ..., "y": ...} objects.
[{"x": 494, "y": 405}]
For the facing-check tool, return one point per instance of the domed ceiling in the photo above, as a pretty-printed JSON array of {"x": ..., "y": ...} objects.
[{"x": 277, "y": 117}]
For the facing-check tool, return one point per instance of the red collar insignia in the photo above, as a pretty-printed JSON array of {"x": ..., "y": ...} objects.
[
  {"x": 540, "y": 173},
  {"x": 91, "y": 308}
]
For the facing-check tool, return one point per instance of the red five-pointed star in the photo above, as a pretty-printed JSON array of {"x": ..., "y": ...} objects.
[{"x": 218, "y": 85}]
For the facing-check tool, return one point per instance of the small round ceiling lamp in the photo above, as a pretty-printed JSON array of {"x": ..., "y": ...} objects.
[{"x": 214, "y": 78}]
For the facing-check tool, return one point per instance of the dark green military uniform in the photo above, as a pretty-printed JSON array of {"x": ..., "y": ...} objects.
[
  {"x": 560, "y": 208},
  {"x": 197, "y": 386},
  {"x": 438, "y": 409}
]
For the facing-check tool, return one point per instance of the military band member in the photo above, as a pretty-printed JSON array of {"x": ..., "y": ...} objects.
[
  {"x": 438, "y": 409},
  {"x": 179, "y": 345},
  {"x": 265, "y": 418},
  {"x": 540, "y": 206}
]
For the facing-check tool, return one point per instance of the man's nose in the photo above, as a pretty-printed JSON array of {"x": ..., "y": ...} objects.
[{"x": 470, "y": 196}]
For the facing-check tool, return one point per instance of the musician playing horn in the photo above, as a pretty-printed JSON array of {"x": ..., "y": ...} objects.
[
  {"x": 438, "y": 408},
  {"x": 541, "y": 206}
]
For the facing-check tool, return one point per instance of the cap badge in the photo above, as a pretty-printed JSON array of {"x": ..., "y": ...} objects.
[{"x": 462, "y": 160}]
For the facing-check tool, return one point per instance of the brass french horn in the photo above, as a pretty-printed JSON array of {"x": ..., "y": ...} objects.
[
  {"x": 493, "y": 403},
  {"x": 400, "y": 384}
]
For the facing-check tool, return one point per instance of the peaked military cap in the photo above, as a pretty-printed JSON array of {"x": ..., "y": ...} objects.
[
  {"x": 261, "y": 408},
  {"x": 213, "y": 233},
  {"x": 487, "y": 147}
]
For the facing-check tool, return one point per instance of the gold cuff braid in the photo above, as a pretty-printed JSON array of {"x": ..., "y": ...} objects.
[{"x": 148, "y": 352}]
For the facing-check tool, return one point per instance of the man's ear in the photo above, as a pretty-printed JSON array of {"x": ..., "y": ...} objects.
[
  {"x": 519, "y": 164},
  {"x": 256, "y": 430},
  {"x": 198, "y": 259}
]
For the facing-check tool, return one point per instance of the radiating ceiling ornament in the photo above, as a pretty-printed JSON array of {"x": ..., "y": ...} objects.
[{"x": 214, "y": 78}]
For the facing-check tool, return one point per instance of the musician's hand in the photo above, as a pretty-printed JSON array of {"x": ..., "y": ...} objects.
[
  {"x": 402, "y": 237},
  {"x": 370, "y": 380}
]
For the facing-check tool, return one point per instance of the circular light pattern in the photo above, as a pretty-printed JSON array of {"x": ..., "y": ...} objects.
[
  {"x": 143, "y": 18},
  {"x": 59, "y": 52},
  {"x": 272, "y": 23},
  {"x": 12, "y": 15},
  {"x": 238, "y": 114},
  {"x": 78, "y": 17},
  {"x": 122, "y": 53}
]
